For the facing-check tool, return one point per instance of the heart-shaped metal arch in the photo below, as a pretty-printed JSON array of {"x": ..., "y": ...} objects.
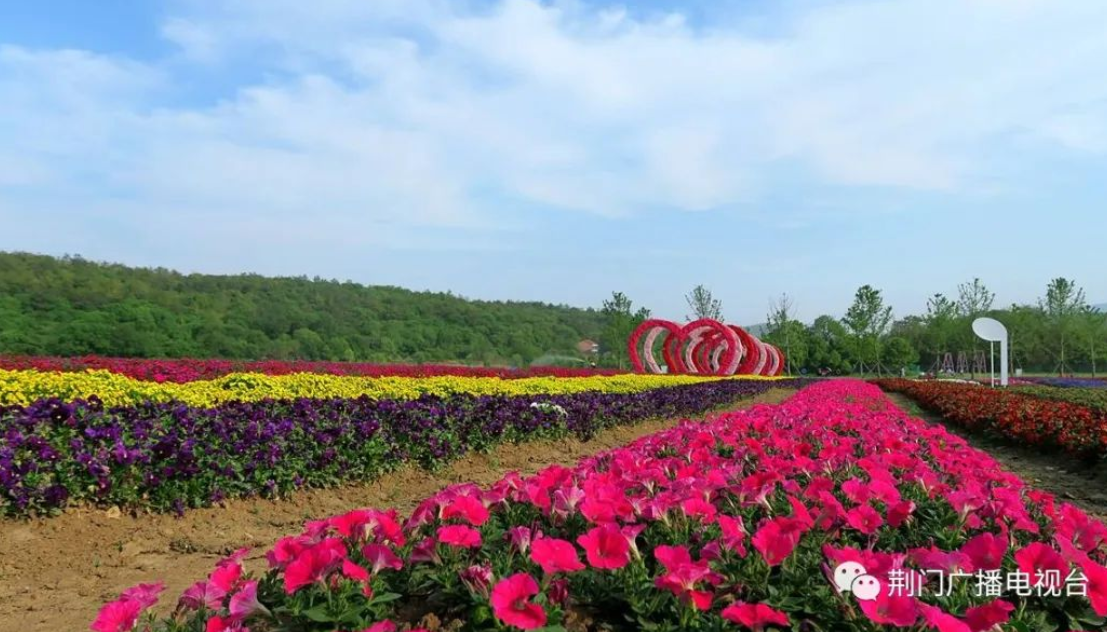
[
  {"x": 704, "y": 346},
  {"x": 650, "y": 330}
]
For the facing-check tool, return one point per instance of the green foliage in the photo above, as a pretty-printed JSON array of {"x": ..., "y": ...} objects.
[
  {"x": 787, "y": 334},
  {"x": 703, "y": 304},
  {"x": 1060, "y": 333},
  {"x": 71, "y": 306},
  {"x": 620, "y": 320},
  {"x": 898, "y": 353},
  {"x": 867, "y": 321},
  {"x": 974, "y": 299},
  {"x": 827, "y": 346}
]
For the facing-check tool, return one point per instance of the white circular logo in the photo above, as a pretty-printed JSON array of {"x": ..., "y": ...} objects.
[
  {"x": 865, "y": 587},
  {"x": 845, "y": 573}
]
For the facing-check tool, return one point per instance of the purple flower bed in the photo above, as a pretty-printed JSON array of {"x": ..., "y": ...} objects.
[
  {"x": 171, "y": 457},
  {"x": 1071, "y": 382}
]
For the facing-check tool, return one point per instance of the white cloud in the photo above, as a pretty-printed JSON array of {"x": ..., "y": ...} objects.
[
  {"x": 417, "y": 112},
  {"x": 1085, "y": 130}
]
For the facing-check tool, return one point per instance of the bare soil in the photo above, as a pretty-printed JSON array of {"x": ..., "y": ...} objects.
[
  {"x": 1071, "y": 480},
  {"x": 55, "y": 573}
]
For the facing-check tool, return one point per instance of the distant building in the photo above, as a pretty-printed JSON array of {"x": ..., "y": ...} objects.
[{"x": 588, "y": 346}]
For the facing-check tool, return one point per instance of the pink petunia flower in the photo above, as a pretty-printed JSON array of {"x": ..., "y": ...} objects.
[
  {"x": 511, "y": 602},
  {"x": 683, "y": 575},
  {"x": 235, "y": 557},
  {"x": 897, "y": 610},
  {"x": 1096, "y": 576},
  {"x": 754, "y": 616},
  {"x": 558, "y": 592},
  {"x": 226, "y": 576},
  {"x": 459, "y": 536},
  {"x": 224, "y": 624},
  {"x": 899, "y": 513},
  {"x": 605, "y": 547},
  {"x": 1042, "y": 564},
  {"x": 857, "y": 491},
  {"x": 313, "y": 564},
  {"x": 935, "y": 559},
  {"x": 120, "y": 615},
  {"x": 244, "y": 603},
  {"x": 555, "y": 556},
  {"x": 566, "y": 501},
  {"x": 286, "y": 550},
  {"x": 985, "y": 552},
  {"x": 631, "y": 532},
  {"x": 478, "y": 579},
  {"x": 202, "y": 594},
  {"x": 777, "y": 538},
  {"x": 672, "y": 557},
  {"x": 426, "y": 550},
  {"x": 989, "y": 615},
  {"x": 700, "y": 509},
  {"x": 353, "y": 571},
  {"x": 938, "y": 619},
  {"x": 468, "y": 509},
  {"x": 381, "y": 557},
  {"x": 520, "y": 538},
  {"x": 734, "y": 534},
  {"x": 145, "y": 594},
  {"x": 864, "y": 519}
]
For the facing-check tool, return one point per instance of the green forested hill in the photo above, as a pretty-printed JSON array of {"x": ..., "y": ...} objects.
[{"x": 71, "y": 306}]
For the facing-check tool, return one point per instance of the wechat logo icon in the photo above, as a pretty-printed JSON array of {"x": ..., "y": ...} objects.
[{"x": 851, "y": 577}]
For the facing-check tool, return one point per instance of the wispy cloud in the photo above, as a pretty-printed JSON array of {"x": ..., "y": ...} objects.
[
  {"x": 381, "y": 120},
  {"x": 409, "y": 111}
]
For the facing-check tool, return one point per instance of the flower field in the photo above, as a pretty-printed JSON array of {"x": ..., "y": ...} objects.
[
  {"x": 743, "y": 522},
  {"x": 1042, "y": 416},
  {"x": 1083, "y": 396},
  {"x": 107, "y": 439},
  {"x": 1066, "y": 382},
  {"x": 190, "y": 370},
  {"x": 111, "y": 389}
]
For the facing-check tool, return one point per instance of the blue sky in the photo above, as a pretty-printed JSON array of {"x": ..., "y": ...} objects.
[{"x": 557, "y": 151}]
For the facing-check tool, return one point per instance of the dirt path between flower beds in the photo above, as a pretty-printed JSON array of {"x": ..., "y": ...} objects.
[
  {"x": 1053, "y": 472},
  {"x": 55, "y": 573}
]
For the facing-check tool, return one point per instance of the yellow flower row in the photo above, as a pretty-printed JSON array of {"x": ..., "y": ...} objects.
[{"x": 24, "y": 387}]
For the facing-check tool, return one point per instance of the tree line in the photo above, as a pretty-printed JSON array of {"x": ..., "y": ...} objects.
[
  {"x": 70, "y": 306},
  {"x": 1060, "y": 333}
]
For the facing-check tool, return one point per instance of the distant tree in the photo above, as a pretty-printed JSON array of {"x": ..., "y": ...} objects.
[
  {"x": 786, "y": 333},
  {"x": 828, "y": 345},
  {"x": 912, "y": 329},
  {"x": 1026, "y": 331},
  {"x": 1063, "y": 305},
  {"x": 899, "y": 353},
  {"x": 941, "y": 322},
  {"x": 620, "y": 320},
  {"x": 780, "y": 311},
  {"x": 974, "y": 299},
  {"x": 867, "y": 320},
  {"x": 703, "y": 304},
  {"x": 1093, "y": 329}
]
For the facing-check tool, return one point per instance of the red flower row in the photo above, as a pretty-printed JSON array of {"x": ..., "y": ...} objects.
[
  {"x": 1033, "y": 420},
  {"x": 189, "y": 370}
]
